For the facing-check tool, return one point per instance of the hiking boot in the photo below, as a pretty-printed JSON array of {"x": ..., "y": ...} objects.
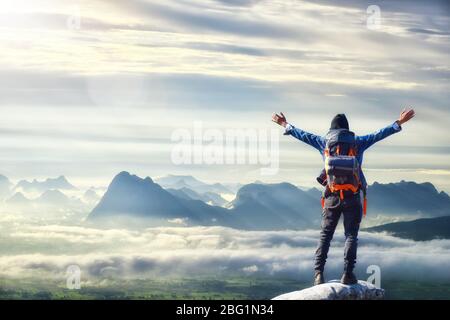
[
  {"x": 349, "y": 278},
  {"x": 318, "y": 278}
]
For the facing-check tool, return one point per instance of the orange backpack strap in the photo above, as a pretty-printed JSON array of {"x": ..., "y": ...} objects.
[
  {"x": 365, "y": 207},
  {"x": 343, "y": 187},
  {"x": 364, "y": 202},
  {"x": 352, "y": 152}
]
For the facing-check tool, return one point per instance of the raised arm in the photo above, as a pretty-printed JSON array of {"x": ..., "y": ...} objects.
[
  {"x": 367, "y": 141},
  {"x": 313, "y": 140}
]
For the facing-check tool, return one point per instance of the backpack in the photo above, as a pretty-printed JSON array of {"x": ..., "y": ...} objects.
[{"x": 342, "y": 168}]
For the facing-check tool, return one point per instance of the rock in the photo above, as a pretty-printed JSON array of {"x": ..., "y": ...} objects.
[{"x": 335, "y": 290}]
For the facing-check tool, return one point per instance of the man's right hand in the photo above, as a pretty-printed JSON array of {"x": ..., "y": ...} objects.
[{"x": 280, "y": 119}]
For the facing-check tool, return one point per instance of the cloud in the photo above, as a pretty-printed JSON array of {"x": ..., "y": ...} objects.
[
  {"x": 434, "y": 7},
  {"x": 239, "y": 3},
  {"x": 87, "y": 101},
  {"x": 224, "y": 22},
  {"x": 428, "y": 31},
  {"x": 207, "y": 250}
]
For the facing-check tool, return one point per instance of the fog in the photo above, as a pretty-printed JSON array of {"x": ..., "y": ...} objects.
[{"x": 39, "y": 248}]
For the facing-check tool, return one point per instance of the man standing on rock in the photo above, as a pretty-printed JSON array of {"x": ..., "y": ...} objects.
[{"x": 342, "y": 152}]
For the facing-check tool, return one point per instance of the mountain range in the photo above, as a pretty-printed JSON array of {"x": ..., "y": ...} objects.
[
  {"x": 51, "y": 193},
  {"x": 256, "y": 206},
  {"x": 131, "y": 196},
  {"x": 17, "y": 193},
  {"x": 418, "y": 230},
  {"x": 406, "y": 197},
  {"x": 60, "y": 183},
  {"x": 189, "y": 201},
  {"x": 53, "y": 198},
  {"x": 210, "y": 198},
  {"x": 281, "y": 204},
  {"x": 179, "y": 182}
]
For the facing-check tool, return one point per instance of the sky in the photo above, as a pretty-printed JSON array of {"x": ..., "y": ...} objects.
[{"x": 91, "y": 88}]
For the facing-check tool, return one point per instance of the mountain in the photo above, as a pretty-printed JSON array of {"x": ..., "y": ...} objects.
[
  {"x": 180, "y": 182},
  {"x": 418, "y": 230},
  {"x": 216, "y": 188},
  {"x": 60, "y": 183},
  {"x": 18, "y": 199},
  {"x": 314, "y": 192},
  {"x": 403, "y": 199},
  {"x": 233, "y": 187},
  {"x": 50, "y": 199},
  {"x": 131, "y": 196},
  {"x": 280, "y": 205},
  {"x": 53, "y": 197},
  {"x": 210, "y": 198},
  {"x": 90, "y": 196},
  {"x": 409, "y": 198},
  {"x": 5, "y": 187},
  {"x": 214, "y": 199}
]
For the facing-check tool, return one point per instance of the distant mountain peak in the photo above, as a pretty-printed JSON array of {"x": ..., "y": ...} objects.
[
  {"x": 53, "y": 196},
  {"x": 60, "y": 179},
  {"x": 186, "y": 181},
  {"x": 126, "y": 177},
  {"x": 172, "y": 179},
  {"x": 50, "y": 183},
  {"x": 123, "y": 174},
  {"x": 90, "y": 192},
  {"x": 18, "y": 198},
  {"x": 52, "y": 192},
  {"x": 3, "y": 178},
  {"x": 444, "y": 194}
]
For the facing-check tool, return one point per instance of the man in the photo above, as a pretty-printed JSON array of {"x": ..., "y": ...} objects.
[{"x": 347, "y": 203}]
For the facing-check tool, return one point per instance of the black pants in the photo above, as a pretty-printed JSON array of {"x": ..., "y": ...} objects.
[{"x": 350, "y": 207}]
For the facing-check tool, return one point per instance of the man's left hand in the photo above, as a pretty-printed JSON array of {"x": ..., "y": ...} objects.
[{"x": 405, "y": 116}]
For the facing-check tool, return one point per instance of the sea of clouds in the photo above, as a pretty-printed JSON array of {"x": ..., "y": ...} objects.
[{"x": 37, "y": 248}]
